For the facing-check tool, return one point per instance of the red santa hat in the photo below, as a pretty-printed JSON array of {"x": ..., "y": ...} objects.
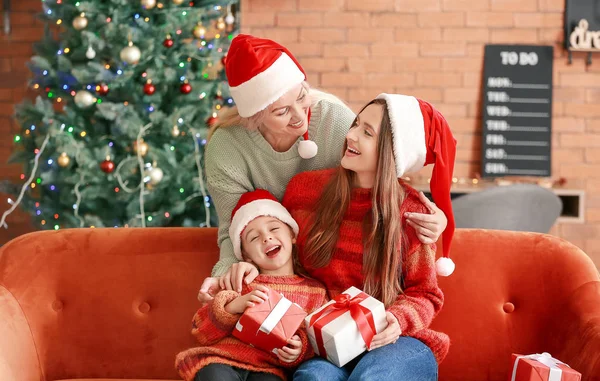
[
  {"x": 252, "y": 205},
  {"x": 259, "y": 72},
  {"x": 421, "y": 136}
]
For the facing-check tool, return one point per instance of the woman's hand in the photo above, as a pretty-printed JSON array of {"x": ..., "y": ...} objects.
[
  {"x": 292, "y": 351},
  {"x": 238, "y": 272},
  {"x": 208, "y": 290},
  {"x": 239, "y": 304},
  {"x": 428, "y": 227},
  {"x": 388, "y": 335}
]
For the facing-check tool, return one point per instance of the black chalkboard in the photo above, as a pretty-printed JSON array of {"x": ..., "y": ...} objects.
[{"x": 517, "y": 111}]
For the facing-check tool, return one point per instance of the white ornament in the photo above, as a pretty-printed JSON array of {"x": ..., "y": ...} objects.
[
  {"x": 84, "y": 99},
  {"x": 156, "y": 175},
  {"x": 148, "y": 4},
  {"x": 444, "y": 266},
  {"x": 131, "y": 54},
  {"x": 307, "y": 149},
  {"x": 90, "y": 53},
  {"x": 229, "y": 19}
]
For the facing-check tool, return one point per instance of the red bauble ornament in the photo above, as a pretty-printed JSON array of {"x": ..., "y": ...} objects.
[
  {"x": 102, "y": 89},
  {"x": 149, "y": 89},
  {"x": 107, "y": 166},
  {"x": 212, "y": 120},
  {"x": 219, "y": 97},
  {"x": 168, "y": 42},
  {"x": 185, "y": 88}
]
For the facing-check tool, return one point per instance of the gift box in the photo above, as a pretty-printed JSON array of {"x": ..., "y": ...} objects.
[
  {"x": 270, "y": 324},
  {"x": 343, "y": 328},
  {"x": 540, "y": 367}
]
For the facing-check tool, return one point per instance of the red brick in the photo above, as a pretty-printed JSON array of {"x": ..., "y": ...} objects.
[
  {"x": 462, "y": 64},
  {"x": 558, "y": 109},
  {"x": 551, "y": 36},
  {"x": 5, "y": 96},
  {"x": 343, "y": 79},
  {"x": 8, "y": 48},
  {"x": 593, "y": 186},
  {"x": 323, "y": 64},
  {"x": 386, "y": 80},
  {"x": 26, "y": 34},
  {"x": 465, "y": 5},
  {"x": 514, "y": 5},
  {"x": 579, "y": 140},
  {"x": 538, "y": 20},
  {"x": 592, "y": 125},
  {"x": 314, "y": 78},
  {"x": 418, "y": 34},
  {"x": 322, "y": 35},
  {"x": 593, "y": 215},
  {"x": 395, "y": 50},
  {"x": 370, "y": 5},
  {"x": 6, "y": 109},
  {"x": 430, "y": 95},
  {"x": 439, "y": 80},
  {"x": 579, "y": 80},
  {"x": 467, "y": 155},
  {"x": 441, "y": 19},
  {"x": 507, "y": 36},
  {"x": 318, "y": 5},
  {"x": 18, "y": 19},
  {"x": 417, "y": 64},
  {"x": 369, "y": 35},
  {"x": 418, "y": 6},
  {"x": 461, "y": 95},
  {"x": 260, "y": 19},
  {"x": 582, "y": 110},
  {"x": 346, "y": 19},
  {"x": 472, "y": 79},
  {"x": 476, "y": 50},
  {"x": 490, "y": 19},
  {"x": 580, "y": 170},
  {"x": 592, "y": 155},
  {"x": 364, "y": 65},
  {"x": 593, "y": 96},
  {"x": 305, "y": 49},
  {"x": 567, "y": 155},
  {"x": 568, "y": 94},
  {"x": 5, "y": 65},
  {"x": 18, "y": 64},
  {"x": 449, "y": 110},
  {"x": 272, "y": 5},
  {"x": 443, "y": 49},
  {"x": 25, "y": 5},
  {"x": 551, "y": 5},
  {"x": 363, "y": 95},
  {"x": 393, "y": 20},
  {"x": 281, "y": 35},
  {"x": 299, "y": 19},
  {"x": 568, "y": 125},
  {"x": 474, "y": 108},
  {"x": 466, "y": 34},
  {"x": 462, "y": 124},
  {"x": 345, "y": 50}
]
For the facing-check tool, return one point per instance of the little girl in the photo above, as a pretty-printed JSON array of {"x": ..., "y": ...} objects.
[{"x": 264, "y": 234}]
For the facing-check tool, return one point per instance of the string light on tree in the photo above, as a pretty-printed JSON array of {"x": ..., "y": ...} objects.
[
  {"x": 175, "y": 131},
  {"x": 220, "y": 24},
  {"x": 178, "y": 2},
  {"x": 199, "y": 31},
  {"x": 80, "y": 22},
  {"x": 102, "y": 89},
  {"x": 131, "y": 54}
]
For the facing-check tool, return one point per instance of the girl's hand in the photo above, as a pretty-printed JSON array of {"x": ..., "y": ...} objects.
[
  {"x": 428, "y": 227},
  {"x": 238, "y": 272},
  {"x": 239, "y": 304},
  {"x": 208, "y": 290},
  {"x": 388, "y": 335},
  {"x": 292, "y": 351}
]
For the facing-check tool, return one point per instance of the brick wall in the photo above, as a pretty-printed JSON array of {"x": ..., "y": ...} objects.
[
  {"x": 434, "y": 49},
  {"x": 430, "y": 48}
]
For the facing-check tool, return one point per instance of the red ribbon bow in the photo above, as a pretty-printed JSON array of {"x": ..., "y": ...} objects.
[{"x": 343, "y": 303}]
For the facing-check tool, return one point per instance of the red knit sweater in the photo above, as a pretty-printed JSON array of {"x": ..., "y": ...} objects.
[
  {"x": 422, "y": 298},
  {"x": 212, "y": 326}
]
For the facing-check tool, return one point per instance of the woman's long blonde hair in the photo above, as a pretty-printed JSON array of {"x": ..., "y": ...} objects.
[
  {"x": 230, "y": 117},
  {"x": 383, "y": 236}
]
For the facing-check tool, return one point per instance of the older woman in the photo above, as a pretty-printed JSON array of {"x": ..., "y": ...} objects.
[{"x": 279, "y": 128}]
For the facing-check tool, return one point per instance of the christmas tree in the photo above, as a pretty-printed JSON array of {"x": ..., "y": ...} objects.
[{"x": 127, "y": 92}]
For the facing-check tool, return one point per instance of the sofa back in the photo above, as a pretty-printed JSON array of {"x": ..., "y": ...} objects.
[{"x": 117, "y": 303}]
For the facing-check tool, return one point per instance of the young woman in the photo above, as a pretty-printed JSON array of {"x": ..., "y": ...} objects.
[
  {"x": 354, "y": 232},
  {"x": 273, "y": 134}
]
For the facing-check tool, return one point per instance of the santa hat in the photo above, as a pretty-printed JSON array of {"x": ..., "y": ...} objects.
[
  {"x": 421, "y": 136},
  {"x": 252, "y": 205},
  {"x": 259, "y": 72}
]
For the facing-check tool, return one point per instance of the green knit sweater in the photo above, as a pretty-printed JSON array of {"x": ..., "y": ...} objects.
[{"x": 239, "y": 160}]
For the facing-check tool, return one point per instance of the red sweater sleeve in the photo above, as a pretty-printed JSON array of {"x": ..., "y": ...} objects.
[
  {"x": 211, "y": 323},
  {"x": 421, "y": 299}
]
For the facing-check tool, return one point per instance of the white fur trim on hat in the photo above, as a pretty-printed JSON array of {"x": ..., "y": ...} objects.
[
  {"x": 408, "y": 132},
  {"x": 444, "y": 266},
  {"x": 307, "y": 149},
  {"x": 265, "y": 88},
  {"x": 252, "y": 210}
]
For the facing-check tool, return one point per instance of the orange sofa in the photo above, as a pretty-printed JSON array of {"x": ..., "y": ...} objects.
[{"x": 117, "y": 303}]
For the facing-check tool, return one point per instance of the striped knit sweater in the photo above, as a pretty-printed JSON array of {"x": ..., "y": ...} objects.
[
  {"x": 239, "y": 161},
  {"x": 212, "y": 326},
  {"x": 421, "y": 300}
]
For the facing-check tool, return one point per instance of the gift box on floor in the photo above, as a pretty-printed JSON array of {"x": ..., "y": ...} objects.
[
  {"x": 540, "y": 367},
  {"x": 343, "y": 328},
  {"x": 270, "y": 324}
]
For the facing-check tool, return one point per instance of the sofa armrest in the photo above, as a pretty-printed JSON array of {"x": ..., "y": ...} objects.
[
  {"x": 18, "y": 354},
  {"x": 575, "y": 332}
]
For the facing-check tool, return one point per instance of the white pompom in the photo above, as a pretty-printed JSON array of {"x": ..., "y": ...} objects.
[
  {"x": 444, "y": 266},
  {"x": 307, "y": 149}
]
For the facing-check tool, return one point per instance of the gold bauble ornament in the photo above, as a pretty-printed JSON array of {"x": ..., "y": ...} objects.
[
  {"x": 156, "y": 175},
  {"x": 141, "y": 148},
  {"x": 199, "y": 31},
  {"x": 80, "y": 22},
  {"x": 63, "y": 160},
  {"x": 148, "y": 4},
  {"x": 220, "y": 24},
  {"x": 84, "y": 99},
  {"x": 131, "y": 54},
  {"x": 175, "y": 131},
  {"x": 177, "y": 2}
]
